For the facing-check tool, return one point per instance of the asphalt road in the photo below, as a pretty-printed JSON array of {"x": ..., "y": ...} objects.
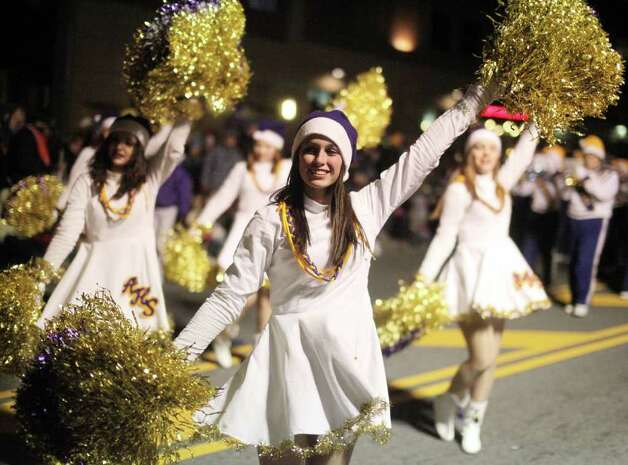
[{"x": 561, "y": 396}]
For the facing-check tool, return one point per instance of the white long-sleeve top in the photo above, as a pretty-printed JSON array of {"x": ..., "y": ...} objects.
[
  {"x": 465, "y": 220},
  {"x": 85, "y": 214},
  {"x": 253, "y": 190},
  {"x": 264, "y": 248},
  {"x": 82, "y": 162},
  {"x": 240, "y": 185},
  {"x": 602, "y": 185}
]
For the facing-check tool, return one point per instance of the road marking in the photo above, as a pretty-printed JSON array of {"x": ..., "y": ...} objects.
[
  {"x": 533, "y": 349},
  {"x": 551, "y": 358},
  {"x": 601, "y": 297}
]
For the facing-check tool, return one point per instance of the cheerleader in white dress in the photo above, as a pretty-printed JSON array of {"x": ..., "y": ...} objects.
[
  {"x": 487, "y": 280},
  {"x": 113, "y": 205},
  {"x": 316, "y": 378},
  {"x": 251, "y": 183}
]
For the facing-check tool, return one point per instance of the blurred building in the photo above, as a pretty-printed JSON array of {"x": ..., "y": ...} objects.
[{"x": 301, "y": 52}]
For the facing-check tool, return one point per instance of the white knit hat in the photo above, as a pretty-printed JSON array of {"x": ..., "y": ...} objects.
[
  {"x": 270, "y": 137},
  {"x": 333, "y": 125},
  {"x": 130, "y": 125},
  {"x": 484, "y": 135}
]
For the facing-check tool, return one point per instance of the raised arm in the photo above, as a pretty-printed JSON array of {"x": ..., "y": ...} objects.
[
  {"x": 80, "y": 166},
  {"x": 224, "y": 197},
  {"x": 72, "y": 222},
  {"x": 521, "y": 157},
  {"x": 456, "y": 200},
  {"x": 243, "y": 278},
  {"x": 161, "y": 166},
  {"x": 402, "y": 179},
  {"x": 157, "y": 141}
]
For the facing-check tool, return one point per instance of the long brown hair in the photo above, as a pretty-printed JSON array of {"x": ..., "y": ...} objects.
[
  {"x": 345, "y": 228},
  {"x": 135, "y": 172},
  {"x": 467, "y": 174}
]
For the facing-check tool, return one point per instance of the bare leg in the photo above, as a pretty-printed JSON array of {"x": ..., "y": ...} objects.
[
  {"x": 477, "y": 374},
  {"x": 335, "y": 458},
  {"x": 342, "y": 457},
  {"x": 301, "y": 440}
]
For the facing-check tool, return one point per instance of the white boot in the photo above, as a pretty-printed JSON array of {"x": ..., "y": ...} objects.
[
  {"x": 472, "y": 425},
  {"x": 446, "y": 407},
  {"x": 222, "y": 350},
  {"x": 580, "y": 310},
  {"x": 568, "y": 309}
]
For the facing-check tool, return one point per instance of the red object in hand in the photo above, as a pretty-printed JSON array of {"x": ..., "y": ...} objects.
[{"x": 500, "y": 112}]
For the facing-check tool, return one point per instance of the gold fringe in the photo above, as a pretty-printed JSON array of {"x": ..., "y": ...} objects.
[
  {"x": 335, "y": 440},
  {"x": 488, "y": 312}
]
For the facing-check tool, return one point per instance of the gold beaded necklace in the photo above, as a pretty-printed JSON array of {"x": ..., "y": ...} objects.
[
  {"x": 302, "y": 257},
  {"x": 116, "y": 214}
]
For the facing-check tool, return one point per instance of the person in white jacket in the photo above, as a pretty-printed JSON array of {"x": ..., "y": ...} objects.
[
  {"x": 113, "y": 205},
  {"x": 316, "y": 378},
  {"x": 251, "y": 183},
  {"x": 486, "y": 279},
  {"x": 591, "y": 192},
  {"x": 541, "y": 184}
]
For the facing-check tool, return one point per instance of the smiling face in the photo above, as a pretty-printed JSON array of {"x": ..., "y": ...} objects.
[
  {"x": 121, "y": 149},
  {"x": 320, "y": 164},
  {"x": 485, "y": 155}
]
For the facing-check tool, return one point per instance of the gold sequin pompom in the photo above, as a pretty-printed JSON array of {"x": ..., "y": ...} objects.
[
  {"x": 418, "y": 308},
  {"x": 21, "y": 293},
  {"x": 552, "y": 60},
  {"x": 101, "y": 391},
  {"x": 367, "y": 105},
  {"x": 188, "y": 59},
  {"x": 186, "y": 262},
  {"x": 31, "y": 207}
]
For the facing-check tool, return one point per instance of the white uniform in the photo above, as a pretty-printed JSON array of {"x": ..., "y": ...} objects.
[
  {"x": 116, "y": 255},
  {"x": 318, "y": 360},
  {"x": 241, "y": 185},
  {"x": 603, "y": 185},
  {"x": 82, "y": 162},
  {"x": 483, "y": 271}
]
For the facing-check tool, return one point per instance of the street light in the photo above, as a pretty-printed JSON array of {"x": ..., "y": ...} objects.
[{"x": 288, "y": 109}]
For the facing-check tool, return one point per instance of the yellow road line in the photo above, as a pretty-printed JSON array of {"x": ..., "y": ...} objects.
[
  {"x": 202, "y": 449},
  {"x": 615, "y": 336},
  {"x": 513, "y": 339},
  {"x": 446, "y": 372},
  {"x": 601, "y": 297},
  {"x": 525, "y": 365}
]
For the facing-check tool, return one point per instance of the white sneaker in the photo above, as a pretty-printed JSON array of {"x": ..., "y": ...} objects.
[
  {"x": 472, "y": 426},
  {"x": 568, "y": 309},
  {"x": 447, "y": 408},
  {"x": 580, "y": 310},
  {"x": 444, "y": 416},
  {"x": 222, "y": 350},
  {"x": 623, "y": 295},
  {"x": 471, "y": 442}
]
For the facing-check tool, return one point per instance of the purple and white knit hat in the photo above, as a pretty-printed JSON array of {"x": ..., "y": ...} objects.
[{"x": 333, "y": 125}]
